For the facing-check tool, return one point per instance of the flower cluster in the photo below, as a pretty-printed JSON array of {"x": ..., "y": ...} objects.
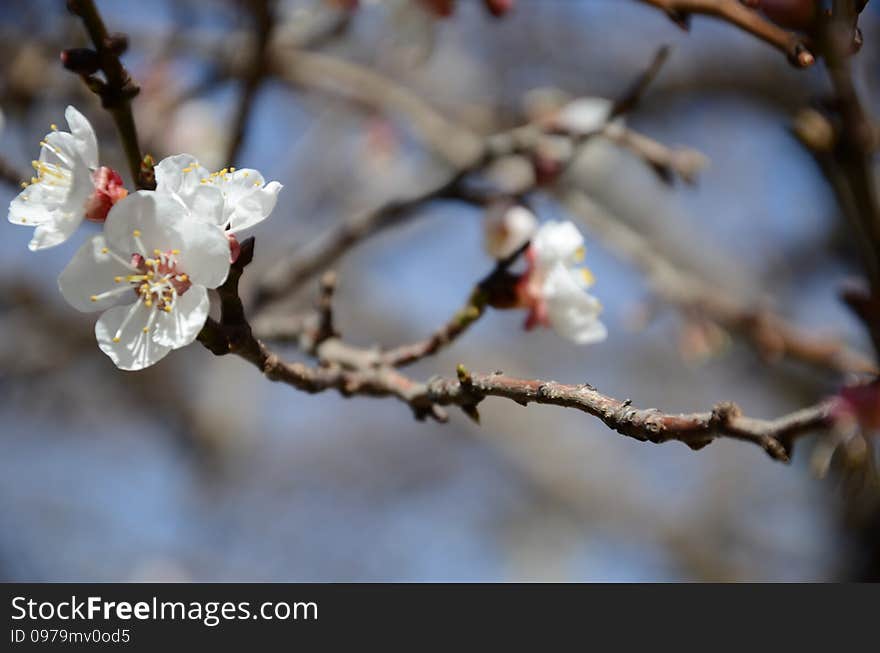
[
  {"x": 160, "y": 251},
  {"x": 553, "y": 288}
]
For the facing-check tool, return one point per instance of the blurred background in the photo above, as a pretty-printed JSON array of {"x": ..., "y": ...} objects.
[{"x": 200, "y": 469}]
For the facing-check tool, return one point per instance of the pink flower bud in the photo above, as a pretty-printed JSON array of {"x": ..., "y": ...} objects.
[
  {"x": 859, "y": 404},
  {"x": 234, "y": 247},
  {"x": 108, "y": 191}
]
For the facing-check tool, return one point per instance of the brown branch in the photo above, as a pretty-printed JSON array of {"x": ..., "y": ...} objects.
[
  {"x": 319, "y": 254},
  {"x": 118, "y": 89},
  {"x": 326, "y": 249},
  {"x": 233, "y": 335},
  {"x": 796, "y": 47},
  {"x": 445, "y": 335},
  {"x": 299, "y": 68},
  {"x": 256, "y": 72},
  {"x": 667, "y": 162},
  {"x": 769, "y": 334},
  {"x": 850, "y": 165},
  {"x": 8, "y": 173}
]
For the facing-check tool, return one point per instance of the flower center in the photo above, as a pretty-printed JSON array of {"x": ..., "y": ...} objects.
[{"x": 156, "y": 281}]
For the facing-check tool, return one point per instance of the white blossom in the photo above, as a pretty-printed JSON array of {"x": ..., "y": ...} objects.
[
  {"x": 234, "y": 200},
  {"x": 149, "y": 272},
  {"x": 55, "y": 202},
  {"x": 506, "y": 228},
  {"x": 554, "y": 288},
  {"x": 584, "y": 115}
]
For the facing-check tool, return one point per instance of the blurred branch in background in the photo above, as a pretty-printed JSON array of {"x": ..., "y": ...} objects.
[
  {"x": 770, "y": 335},
  {"x": 795, "y": 47}
]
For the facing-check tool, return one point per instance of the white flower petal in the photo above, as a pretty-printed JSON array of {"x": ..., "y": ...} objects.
[
  {"x": 254, "y": 207},
  {"x": 206, "y": 204},
  {"x": 61, "y": 148},
  {"x": 27, "y": 211},
  {"x": 180, "y": 174},
  {"x": 135, "y": 349},
  {"x": 507, "y": 229},
  {"x": 584, "y": 115},
  {"x": 180, "y": 327},
  {"x": 204, "y": 254},
  {"x": 579, "y": 330},
  {"x": 556, "y": 242},
  {"x": 86, "y": 143},
  {"x": 573, "y": 313},
  {"x": 52, "y": 233},
  {"x": 156, "y": 218},
  {"x": 91, "y": 272},
  {"x": 56, "y": 203}
]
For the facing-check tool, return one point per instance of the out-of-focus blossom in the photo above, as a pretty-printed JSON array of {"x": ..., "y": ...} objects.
[
  {"x": 506, "y": 228},
  {"x": 554, "y": 287},
  {"x": 156, "y": 260},
  {"x": 583, "y": 116},
  {"x": 68, "y": 187},
  {"x": 195, "y": 127},
  {"x": 858, "y": 405}
]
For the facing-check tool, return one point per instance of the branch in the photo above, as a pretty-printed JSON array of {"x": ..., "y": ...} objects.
[
  {"x": 850, "y": 166},
  {"x": 769, "y": 334},
  {"x": 299, "y": 68},
  {"x": 8, "y": 173},
  {"x": 253, "y": 77},
  {"x": 667, "y": 162},
  {"x": 322, "y": 252},
  {"x": 795, "y": 47},
  {"x": 118, "y": 89},
  {"x": 347, "y": 373}
]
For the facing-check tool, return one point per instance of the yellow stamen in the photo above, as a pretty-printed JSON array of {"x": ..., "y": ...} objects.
[
  {"x": 588, "y": 277},
  {"x": 116, "y": 338},
  {"x": 94, "y": 298},
  {"x": 53, "y": 127},
  {"x": 104, "y": 250},
  {"x": 580, "y": 253},
  {"x": 188, "y": 169},
  {"x": 117, "y": 279},
  {"x": 175, "y": 251},
  {"x": 136, "y": 233}
]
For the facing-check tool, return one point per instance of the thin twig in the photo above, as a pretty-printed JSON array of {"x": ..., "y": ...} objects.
[
  {"x": 254, "y": 76},
  {"x": 796, "y": 47},
  {"x": 8, "y": 173},
  {"x": 233, "y": 335},
  {"x": 118, "y": 90}
]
